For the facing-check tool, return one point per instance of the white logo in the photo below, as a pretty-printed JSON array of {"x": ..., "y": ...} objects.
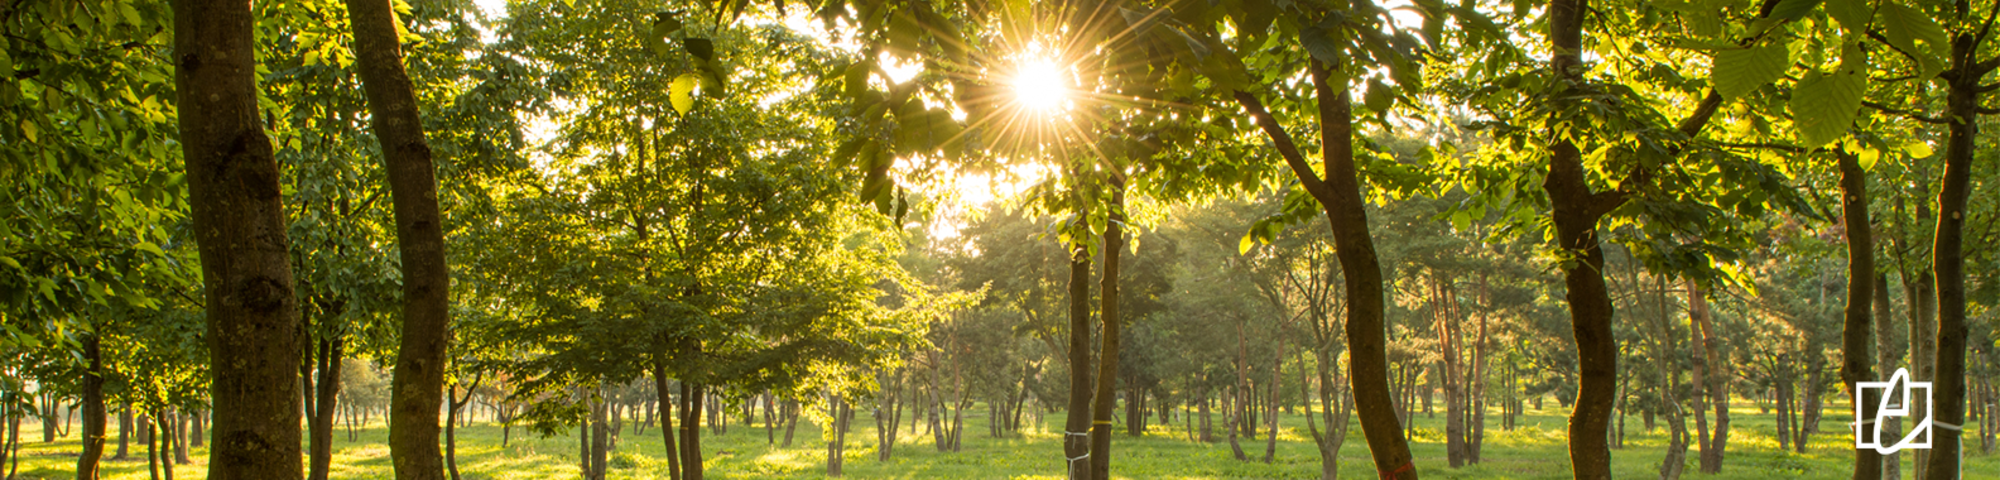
[{"x": 1898, "y": 395}]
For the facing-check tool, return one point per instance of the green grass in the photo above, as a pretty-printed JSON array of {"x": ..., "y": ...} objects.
[{"x": 1534, "y": 451}]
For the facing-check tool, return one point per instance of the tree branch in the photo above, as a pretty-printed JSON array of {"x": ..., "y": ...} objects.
[
  {"x": 1283, "y": 141},
  {"x": 1904, "y": 113}
]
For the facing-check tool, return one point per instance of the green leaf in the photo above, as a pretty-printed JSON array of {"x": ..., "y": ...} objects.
[
  {"x": 149, "y": 247},
  {"x": 1379, "y": 97},
  {"x": 856, "y": 79},
  {"x": 1740, "y": 71},
  {"x": 845, "y": 153},
  {"x": 1824, "y": 106},
  {"x": 1249, "y": 241},
  {"x": 1903, "y": 26},
  {"x": 665, "y": 24},
  {"x": 1852, "y": 14},
  {"x": 1918, "y": 149},
  {"x": 681, "y": 92},
  {"x": 701, "y": 48},
  {"x": 1793, "y": 9},
  {"x": 1868, "y": 157},
  {"x": 10, "y": 262}
]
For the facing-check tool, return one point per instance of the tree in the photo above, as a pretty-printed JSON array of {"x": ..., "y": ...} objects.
[{"x": 240, "y": 228}]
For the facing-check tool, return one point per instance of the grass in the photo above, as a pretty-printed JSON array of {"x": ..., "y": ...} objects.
[{"x": 1535, "y": 450}]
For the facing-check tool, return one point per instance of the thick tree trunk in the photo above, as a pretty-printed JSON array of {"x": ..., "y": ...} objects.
[
  {"x": 239, "y": 225},
  {"x": 1108, "y": 319},
  {"x": 417, "y": 385},
  {"x": 1076, "y": 427},
  {"x": 1854, "y": 335},
  {"x": 93, "y": 408},
  {"x": 1948, "y": 258},
  {"x": 320, "y": 425}
]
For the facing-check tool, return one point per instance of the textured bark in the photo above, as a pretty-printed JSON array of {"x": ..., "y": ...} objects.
[
  {"x": 1854, "y": 335},
  {"x": 1107, "y": 354},
  {"x": 93, "y": 408},
  {"x": 1576, "y": 212},
  {"x": 1948, "y": 258},
  {"x": 417, "y": 385},
  {"x": 239, "y": 225},
  {"x": 1076, "y": 426}
]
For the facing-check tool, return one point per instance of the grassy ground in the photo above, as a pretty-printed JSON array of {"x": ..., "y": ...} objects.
[{"x": 1535, "y": 451}]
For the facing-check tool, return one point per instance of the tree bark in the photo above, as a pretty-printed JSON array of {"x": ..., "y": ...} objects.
[
  {"x": 1108, "y": 319},
  {"x": 417, "y": 385},
  {"x": 666, "y": 415},
  {"x": 1854, "y": 335},
  {"x": 450, "y": 425},
  {"x": 1576, "y": 212},
  {"x": 320, "y": 426},
  {"x": 93, "y": 408},
  {"x": 1948, "y": 258},
  {"x": 124, "y": 432},
  {"x": 1885, "y": 358},
  {"x": 690, "y": 451},
  {"x": 1076, "y": 426},
  {"x": 239, "y": 224},
  {"x": 1340, "y": 195}
]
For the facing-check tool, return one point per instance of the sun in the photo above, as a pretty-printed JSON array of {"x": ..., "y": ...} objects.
[{"x": 1039, "y": 85}]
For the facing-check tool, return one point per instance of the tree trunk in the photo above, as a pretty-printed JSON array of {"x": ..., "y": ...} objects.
[
  {"x": 1576, "y": 212},
  {"x": 1109, "y": 320},
  {"x": 1854, "y": 334},
  {"x": 1277, "y": 384},
  {"x": 1885, "y": 358},
  {"x": 93, "y": 408},
  {"x": 1076, "y": 428},
  {"x": 667, "y": 431},
  {"x": 836, "y": 408},
  {"x": 1340, "y": 195},
  {"x": 1207, "y": 428},
  {"x": 1229, "y": 402},
  {"x": 124, "y": 432},
  {"x": 152, "y": 449},
  {"x": 690, "y": 453},
  {"x": 1449, "y": 346},
  {"x": 320, "y": 426},
  {"x": 1921, "y": 297},
  {"x": 239, "y": 225},
  {"x": 1948, "y": 258},
  {"x": 453, "y": 404},
  {"x": 417, "y": 385},
  {"x": 1713, "y": 381}
]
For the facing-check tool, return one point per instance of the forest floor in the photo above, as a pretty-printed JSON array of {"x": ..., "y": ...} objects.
[{"x": 1534, "y": 450}]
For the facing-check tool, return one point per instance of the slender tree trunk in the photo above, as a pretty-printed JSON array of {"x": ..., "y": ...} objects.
[
  {"x": 1107, "y": 355},
  {"x": 690, "y": 453},
  {"x": 1207, "y": 428},
  {"x": 239, "y": 225},
  {"x": 452, "y": 405},
  {"x": 667, "y": 431},
  {"x": 836, "y": 407},
  {"x": 1076, "y": 429},
  {"x": 1449, "y": 346},
  {"x": 1920, "y": 295},
  {"x": 1854, "y": 337},
  {"x": 124, "y": 432},
  {"x": 1229, "y": 412},
  {"x": 1339, "y": 193},
  {"x": 1713, "y": 383},
  {"x": 320, "y": 426},
  {"x": 1947, "y": 256},
  {"x": 417, "y": 385},
  {"x": 1576, "y": 212},
  {"x": 1885, "y": 358},
  {"x": 152, "y": 450},
  {"x": 93, "y": 408},
  {"x": 1277, "y": 384}
]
